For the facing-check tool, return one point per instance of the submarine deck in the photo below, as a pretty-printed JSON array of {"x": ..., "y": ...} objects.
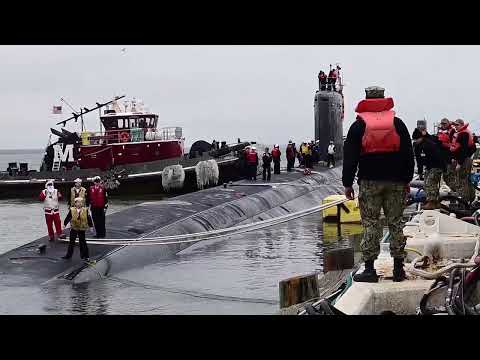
[{"x": 25, "y": 266}]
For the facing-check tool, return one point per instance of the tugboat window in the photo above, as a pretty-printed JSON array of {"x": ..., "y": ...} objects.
[
  {"x": 120, "y": 124},
  {"x": 133, "y": 123},
  {"x": 141, "y": 122}
]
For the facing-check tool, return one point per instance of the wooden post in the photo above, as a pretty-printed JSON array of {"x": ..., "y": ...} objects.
[
  {"x": 338, "y": 259},
  {"x": 298, "y": 289}
]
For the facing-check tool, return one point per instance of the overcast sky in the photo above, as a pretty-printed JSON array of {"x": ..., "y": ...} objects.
[{"x": 258, "y": 93}]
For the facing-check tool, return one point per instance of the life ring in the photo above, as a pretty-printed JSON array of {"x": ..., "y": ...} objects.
[{"x": 124, "y": 136}]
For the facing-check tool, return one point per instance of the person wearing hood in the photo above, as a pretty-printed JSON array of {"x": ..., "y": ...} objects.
[
  {"x": 80, "y": 221},
  {"x": 331, "y": 155},
  {"x": 77, "y": 191},
  {"x": 266, "y": 164},
  {"x": 385, "y": 169},
  {"x": 98, "y": 200},
  {"x": 462, "y": 148},
  {"x": 290, "y": 152},
  {"x": 50, "y": 197},
  {"x": 276, "y": 159}
]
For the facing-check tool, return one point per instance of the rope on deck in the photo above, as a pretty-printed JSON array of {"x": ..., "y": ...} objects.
[{"x": 213, "y": 234}]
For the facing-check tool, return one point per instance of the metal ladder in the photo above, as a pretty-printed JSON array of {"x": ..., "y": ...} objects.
[{"x": 56, "y": 163}]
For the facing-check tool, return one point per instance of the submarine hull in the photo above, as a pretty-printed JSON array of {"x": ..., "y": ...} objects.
[{"x": 209, "y": 209}]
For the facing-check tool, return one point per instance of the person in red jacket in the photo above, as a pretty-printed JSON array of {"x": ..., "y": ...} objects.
[
  {"x": 276, "y": 159},
  {"x": 290, "y": 152},
  {"x": 462, "y": 148},
  {"x": 98, "y": 200},
  {"x": 252, "y": 163},
  {"x": 445, "y": 135},
  {"x": 50, "y": 197}
]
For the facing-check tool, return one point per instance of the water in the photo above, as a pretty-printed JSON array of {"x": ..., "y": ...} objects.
[{"x": 237, "y": 275}]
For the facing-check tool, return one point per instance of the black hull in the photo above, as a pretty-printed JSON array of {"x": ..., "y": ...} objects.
[{"x": 143, "y": 183}]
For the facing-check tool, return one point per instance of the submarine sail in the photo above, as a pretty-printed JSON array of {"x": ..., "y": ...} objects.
[{"x": 328, "y": 115}]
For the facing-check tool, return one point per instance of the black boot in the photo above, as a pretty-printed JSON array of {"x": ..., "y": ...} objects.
[
  {"x": 398, "y": 272},
  {"x": 368, "y": 275}
]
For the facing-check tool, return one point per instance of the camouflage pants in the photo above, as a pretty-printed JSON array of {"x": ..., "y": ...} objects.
[
  {"x": 465, "y": 187},
  {"x": 450, "y": 177},
  {"x": 373, "y": 196},
  {"x": 432, "y": 184}
]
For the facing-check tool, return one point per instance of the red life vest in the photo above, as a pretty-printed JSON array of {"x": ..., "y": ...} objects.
[
  {"x": 251, "y": 157},
  {"x": 276, "y": 153},
  {"x": 97, "y": 196},
  {"x": 444, "y": 137},
  {"x": 380, "y": 134},
  {"x": 455, "y": 146}
]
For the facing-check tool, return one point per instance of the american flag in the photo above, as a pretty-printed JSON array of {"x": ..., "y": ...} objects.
[{"x": 57, "y": 110}]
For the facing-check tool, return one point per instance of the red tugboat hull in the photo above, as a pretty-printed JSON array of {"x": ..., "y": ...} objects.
[{"x": 105, "y": 156}]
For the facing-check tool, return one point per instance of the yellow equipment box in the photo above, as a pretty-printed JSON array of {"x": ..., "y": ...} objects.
[
  {"x": 331, "y": 234},
  {"x": 85, "y": 137},
  {"x": 352, "y": 217}
]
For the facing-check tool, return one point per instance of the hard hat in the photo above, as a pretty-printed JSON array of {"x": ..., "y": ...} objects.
[
  {"x": 77, "y": 180},
  {"x": 97, "y": 179},
  {"x": 80, "y": 199},
  {"x": 254, "y": 148}
]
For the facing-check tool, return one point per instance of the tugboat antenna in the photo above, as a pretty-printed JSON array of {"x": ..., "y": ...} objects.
[{"x": 82, "y": 112}]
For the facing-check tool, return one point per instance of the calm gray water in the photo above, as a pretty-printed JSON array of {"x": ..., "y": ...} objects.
[{"x": 238, "y": 275}]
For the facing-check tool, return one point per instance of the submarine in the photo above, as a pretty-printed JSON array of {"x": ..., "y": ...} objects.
[{"x": 171, "y": 221}]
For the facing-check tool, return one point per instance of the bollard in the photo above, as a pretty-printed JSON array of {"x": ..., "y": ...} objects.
[
  {"x": 298, "y": 289},
  {"x": 338, "y": 259}
]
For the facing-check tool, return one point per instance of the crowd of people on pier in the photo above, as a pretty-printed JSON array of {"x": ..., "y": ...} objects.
[{"x": 379, "y": 151}]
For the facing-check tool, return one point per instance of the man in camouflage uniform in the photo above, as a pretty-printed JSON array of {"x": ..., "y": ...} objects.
[
  {"x": 379, "y": 145},
  {"x": 462, "y": 148},
  {"x": 435, "y": 164}
]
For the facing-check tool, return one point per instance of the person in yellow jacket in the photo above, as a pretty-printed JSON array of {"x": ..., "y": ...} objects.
[
  {"x": 77, "y": 191},
  {"x": 306, "y": 151},
  {"x": 80, "y": 221}
]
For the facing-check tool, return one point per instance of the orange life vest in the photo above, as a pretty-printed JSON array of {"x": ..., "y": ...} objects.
[
  {"x": 380, "y": 134},
  {"x": 455, "y": 145},
  {"x": 444, "y": 137},
  {"x": 251, "y": 157},
  {"x": 276, "y": 153}
]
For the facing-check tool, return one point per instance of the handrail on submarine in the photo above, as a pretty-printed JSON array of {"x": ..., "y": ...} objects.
[{"x": 207, "y": 235}]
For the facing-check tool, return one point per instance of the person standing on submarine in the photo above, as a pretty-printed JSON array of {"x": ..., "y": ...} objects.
[
  {"x": 385, "y": 169},
  {"x": 266, "y": 164},
  {"x": 97, "y": 198},
  {"x": 276, "y": 159}
]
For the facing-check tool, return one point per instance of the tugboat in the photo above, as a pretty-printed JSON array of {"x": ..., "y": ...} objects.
[
  {"x": 130, "y": 136},
  {"x": 130, "y": 149}
]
